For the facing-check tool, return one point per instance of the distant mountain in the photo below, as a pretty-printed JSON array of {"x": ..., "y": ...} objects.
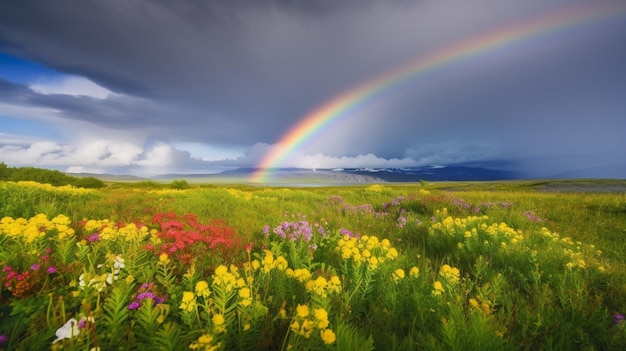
[
  {"x": 363, "y": 175},
  {"x": 331, "y": 176},
  {"x": 109, "y": 177},
  {"x": 435, "y": 173}
]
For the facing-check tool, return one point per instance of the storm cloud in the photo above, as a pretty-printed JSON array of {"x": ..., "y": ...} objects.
[{"x": 145, "y": 87}]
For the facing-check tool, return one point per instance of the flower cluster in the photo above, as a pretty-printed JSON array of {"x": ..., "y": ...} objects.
[
  {"x": 269, "y": 262},
  {"x": 114, "y": 266},
  {"x": 366, "y": 249},
  {"x": 65, "y": 189},
  {"x": 305, "y": 322},
  {"x": 23, "y": 283},
  {"x": 482, "y": 306},
  {"x": 227, "y": 278},
  {"x": 321, "y": 286},
  {"x": 146, "y": 291},
  {"x": 296, "y": 230},
  {"x": 205, "y": 342},
  {"x": 36, "y": 227},
  {"x": 185, "y": 239},
  {"x": 449, "y": 274}
]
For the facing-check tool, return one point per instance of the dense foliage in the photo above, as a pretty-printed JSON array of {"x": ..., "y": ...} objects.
[
  {"x": 401, "y": 267},
  {"x": 46, "y": 176}
]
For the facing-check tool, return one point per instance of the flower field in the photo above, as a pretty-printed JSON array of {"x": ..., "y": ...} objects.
[{"x": 378, "y": 267}]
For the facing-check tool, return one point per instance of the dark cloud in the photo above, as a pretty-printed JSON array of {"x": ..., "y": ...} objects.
[{"x": 242, "y": 72}]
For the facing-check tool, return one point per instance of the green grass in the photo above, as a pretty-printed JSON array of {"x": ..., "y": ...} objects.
[{"x": 516, "y": 265}]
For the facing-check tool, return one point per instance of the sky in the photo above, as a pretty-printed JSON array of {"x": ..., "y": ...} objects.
[{"x": 153, "y": 87}]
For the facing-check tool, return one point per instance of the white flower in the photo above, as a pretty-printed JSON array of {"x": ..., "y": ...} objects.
[
  {"x": 119, "y": 262},
  {"x": 81, "y": 281},
  {"x": 67, "y": 331}
]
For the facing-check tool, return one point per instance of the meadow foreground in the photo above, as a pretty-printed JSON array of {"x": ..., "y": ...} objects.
[{"x": 497, "y": 266}]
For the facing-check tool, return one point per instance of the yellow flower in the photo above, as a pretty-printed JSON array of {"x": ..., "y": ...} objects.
[
  {"x": 218, "y": 319},
  {"x": 202, "y": 289},
  {"x": 221, "y": 270},
  {"x": 346, "y": 253},
  {"x": 473, "y": 303},
  {"x": 307, "y": 328},
  {"x": 438, "y": 288},
  {"x": 328, "y": 336},
  {"x": 205, "y": 342},
  {"x": 373, "y": 261},
  {"x": 392, "y": 253},
  {"x": 189, "y": 301},
  {"x": 414, "y": 272},
  {"x": 485, "y": 308},
  {"x": 451, "y": 274},
  {"x": 188, "y": 296},
  {"x": 205, "y": 339},
  {"x": 302, "y": 274},
  {"x": 269, "y": 257},
  {"x": 398, "y": 274},
  {"x": 302, "y": 310},
  {"x": 244, "y": 293},
  {"x": 280, "y": 263},
  {"x": 322, "y": 317}
]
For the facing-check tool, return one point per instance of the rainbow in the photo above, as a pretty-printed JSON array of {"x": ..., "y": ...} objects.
[{"x": 350, "y": 100}]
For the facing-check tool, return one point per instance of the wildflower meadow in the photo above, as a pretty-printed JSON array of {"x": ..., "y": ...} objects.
[{"x": 442, "y": 266}]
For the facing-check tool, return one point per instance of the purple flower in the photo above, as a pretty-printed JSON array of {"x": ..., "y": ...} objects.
[
  {"x": 532, "y": 217},
  {"x": 401, "y": 221},
  {"x": 93, "y": 237},
  {"x": 618, "y": 318},
  {"x": 35, "y": 267},
  {"x": 160, "y": 299},
  {"x": 266, "y": 230},
  {"x": 51, "y": 269},
  {"x": 134, "y": 305},
  {"x": 145, "y": 295},
  {"x": 82, "y": 323},
  {"x": 3, "y": 338}
]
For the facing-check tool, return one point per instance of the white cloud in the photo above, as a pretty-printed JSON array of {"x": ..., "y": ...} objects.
[
  {"x": 81, "y": 169},
  {"x": 206, "y": 152},
  {"x": 319, "y": 160},
  {"x": 70, "y": 85},
  {"x": 161, "y": 155}
]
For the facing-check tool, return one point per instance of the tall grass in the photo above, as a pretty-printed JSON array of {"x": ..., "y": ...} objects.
[{"x": 447, "y": 266}]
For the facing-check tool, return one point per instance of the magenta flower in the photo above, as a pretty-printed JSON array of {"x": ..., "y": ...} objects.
[
  {"x": 35, "y": 267},
  {"x": 51, "y": 269}
]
